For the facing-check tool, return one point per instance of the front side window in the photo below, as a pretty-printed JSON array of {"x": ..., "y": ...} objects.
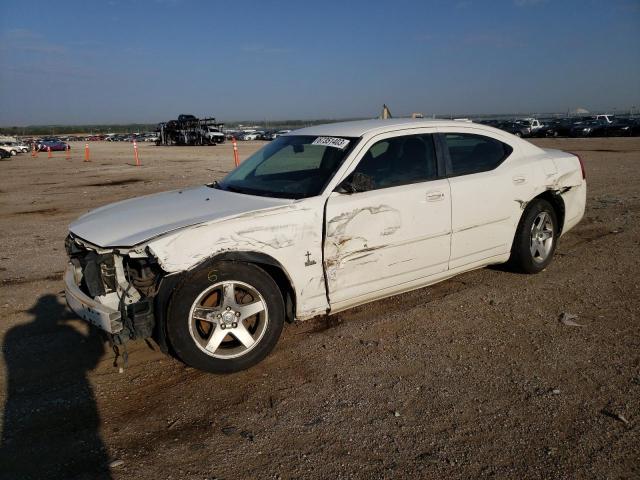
[
  {"x": 470, "y": 153},
  {"x": 398, "y": 161},
  {"x": 291, "y": 166}
]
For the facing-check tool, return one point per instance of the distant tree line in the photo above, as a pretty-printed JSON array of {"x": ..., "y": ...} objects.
[
  {"x": 85, "y": 129},
  {"x": 41, "y": 130}
]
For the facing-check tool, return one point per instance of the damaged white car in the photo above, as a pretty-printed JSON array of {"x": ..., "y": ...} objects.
[{"x": 319, "y": 220}]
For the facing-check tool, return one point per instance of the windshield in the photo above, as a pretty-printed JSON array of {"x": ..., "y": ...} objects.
[{"x": 291, "y": 166}]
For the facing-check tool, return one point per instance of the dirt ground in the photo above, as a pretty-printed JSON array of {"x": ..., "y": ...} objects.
[{"x": 472, "y": 378}]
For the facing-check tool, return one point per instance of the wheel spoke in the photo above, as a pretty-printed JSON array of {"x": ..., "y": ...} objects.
[
  {"x": 216, "y": 339},
  {"x": 250, "y": 309},
  {"x": 229, "y": 295},
  {"x": 534, "y": 247},
  {"x": 207, "y": 314},
  {"x": 543, "y": 220},
  {"x": 242, "y": 334}
]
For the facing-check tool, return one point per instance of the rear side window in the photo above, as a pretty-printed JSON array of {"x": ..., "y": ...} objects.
[{"x": 472, "y": 153}]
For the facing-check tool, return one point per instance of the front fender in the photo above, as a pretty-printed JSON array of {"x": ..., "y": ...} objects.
[{"x": 287, "y": 238}]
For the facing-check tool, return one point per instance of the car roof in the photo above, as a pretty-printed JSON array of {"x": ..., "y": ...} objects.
[{"x": 359, "y": 128}]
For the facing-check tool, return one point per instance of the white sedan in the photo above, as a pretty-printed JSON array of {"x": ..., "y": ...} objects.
[
  {"x": 318, "y": 221},
  {"x": 14, "y": 148}
]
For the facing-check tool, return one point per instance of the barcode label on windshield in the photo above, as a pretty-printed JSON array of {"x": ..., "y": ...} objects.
[{"x": 335, "y": 142}]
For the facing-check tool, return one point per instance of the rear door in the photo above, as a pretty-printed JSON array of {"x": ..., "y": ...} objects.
[
  {"x": 397, "y": 230},
  {"x": 489, "y": 188}
]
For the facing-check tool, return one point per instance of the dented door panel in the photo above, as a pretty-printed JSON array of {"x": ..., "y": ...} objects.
[{"x": 386, "y": 237}]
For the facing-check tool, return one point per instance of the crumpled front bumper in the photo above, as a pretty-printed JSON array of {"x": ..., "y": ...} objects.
[{"x": 87, "y": 308}]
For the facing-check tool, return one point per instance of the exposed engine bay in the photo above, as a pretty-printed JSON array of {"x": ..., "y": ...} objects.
[{"x": 121, "y": 280}]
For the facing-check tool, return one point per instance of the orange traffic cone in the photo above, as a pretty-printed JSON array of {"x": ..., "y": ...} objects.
[
  {"x": 34, "y": 151},
  {"x": 49, "y": 152},
  {"x": 87, "y": 158},
  {"x": 236, "y": 158},
  {"x": 135, "y": 153}
]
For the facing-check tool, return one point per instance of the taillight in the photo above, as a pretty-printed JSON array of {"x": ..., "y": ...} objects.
[{"x": 584, "y": 173}]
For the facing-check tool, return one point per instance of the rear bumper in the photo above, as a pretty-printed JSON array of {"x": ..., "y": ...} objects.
[{"x": 102, "y": 316}]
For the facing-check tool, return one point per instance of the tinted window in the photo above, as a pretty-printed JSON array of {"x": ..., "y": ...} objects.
[
  {"x": 399, "y": 161},
  {"x": 474, "y": 153}
]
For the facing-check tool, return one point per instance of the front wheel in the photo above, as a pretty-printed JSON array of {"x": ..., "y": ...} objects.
[
  {"x": 535, "y": 240},
  {"x": 226, "y": 317}
]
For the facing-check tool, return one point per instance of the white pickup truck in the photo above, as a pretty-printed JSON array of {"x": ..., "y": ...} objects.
[
  {"x": 214, "y": 135},
  {"x": 532, "y": 124},
  {"x": 318, "y": 221}
]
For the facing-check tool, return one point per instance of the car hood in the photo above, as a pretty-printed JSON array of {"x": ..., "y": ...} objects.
[{"x": 130, "y": 222}]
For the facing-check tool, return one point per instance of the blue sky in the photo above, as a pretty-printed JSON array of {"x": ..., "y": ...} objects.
[{"x": 149, "y": 60}]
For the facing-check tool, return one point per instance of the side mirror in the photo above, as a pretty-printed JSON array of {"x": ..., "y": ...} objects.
[
  {"x": 356, "y": 182},
  {"x": 298, "y": 148}
]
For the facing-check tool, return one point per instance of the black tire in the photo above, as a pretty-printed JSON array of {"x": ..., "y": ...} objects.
[
  {"x": 522, "y": 259},
  {"x": 184, "y": 296}
]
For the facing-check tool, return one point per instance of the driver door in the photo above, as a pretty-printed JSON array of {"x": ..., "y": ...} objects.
[{"x": 397, "y": 233}]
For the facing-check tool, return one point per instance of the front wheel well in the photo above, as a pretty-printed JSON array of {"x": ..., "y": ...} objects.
[{"x": 273, "y": 268}]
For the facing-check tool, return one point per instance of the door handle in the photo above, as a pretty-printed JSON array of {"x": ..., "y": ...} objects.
[
  {"x": 519, "y": 179},
  {"x": 435, "y": 196}
]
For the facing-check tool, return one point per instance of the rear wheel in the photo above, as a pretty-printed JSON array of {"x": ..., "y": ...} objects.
[
  {"x": 225, "y": 318},
  {"x": 535, "y": 240}
]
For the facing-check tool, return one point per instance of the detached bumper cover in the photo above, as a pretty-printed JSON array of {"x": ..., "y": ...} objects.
[{"x": 87, "y": 308}]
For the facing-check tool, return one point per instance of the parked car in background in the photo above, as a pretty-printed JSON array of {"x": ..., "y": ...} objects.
[
  {"x": 53, "y": 144},
  {"x": 4, "y": 154},
  {"x": 280, "y": 133},
  {"x": 555, "y": 127},
  {"x": 623, "y": 128},
  {"x": 267, "y": 135},
  {"x": 608, "y": 118},
  {"x": 532, "y": 124},
  {"x": 22, "y": 146},
  {"x": 517, "y": 129},
  {"x": 252, "y": 135},
  {"x": 318, "y": 221},
  {"x": 214, "y": 135},
  {"x": 10, "y": 149},
  {"x": 589, "y": 128},
  {"x": 14, "y": 148},
  {"x": 489, "y": 122}
]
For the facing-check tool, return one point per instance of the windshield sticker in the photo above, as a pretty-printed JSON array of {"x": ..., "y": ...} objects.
[{"x": 335, "y": 142}]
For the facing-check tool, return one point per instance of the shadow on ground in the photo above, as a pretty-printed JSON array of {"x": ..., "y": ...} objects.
[{"x": 51, "y": 422}]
